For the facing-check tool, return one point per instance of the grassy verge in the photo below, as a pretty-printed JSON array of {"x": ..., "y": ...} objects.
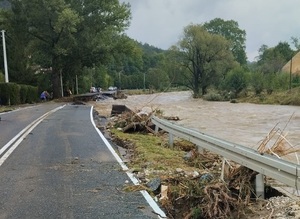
[
  {"x": 279, "y": 97},
  {"x": 6, "y": 108},
  {"x": 287, "y": 97},
  {"x": 153, "y": 152},
  {"x": 153, "y": 159}
]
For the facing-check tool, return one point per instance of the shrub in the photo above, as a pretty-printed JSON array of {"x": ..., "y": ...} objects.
[
  {"x": 32, "y": 94},
  {"x": 23, "y": 93},
  {"x": 9, "y": 93},
  {"x": 257, "y": 82},
  {"x": 296, "y": 81},
  {"x": 236, "y": 80},
  {"x": 281, "y": 82},
  {"x": 213, "y": 96},
  {"x": 13, "y": 94}
]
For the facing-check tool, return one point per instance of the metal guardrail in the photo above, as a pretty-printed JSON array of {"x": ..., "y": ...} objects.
[{"x": 271, "y": 166}]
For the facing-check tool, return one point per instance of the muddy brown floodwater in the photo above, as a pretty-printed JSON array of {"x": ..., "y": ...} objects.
[{"x": 241, "y": 123}]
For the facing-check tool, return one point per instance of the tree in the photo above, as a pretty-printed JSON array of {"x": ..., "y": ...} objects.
[
  {"x": 207, "y": 57},
  {"x": 271, "y": 60},
  {"x": 70, "y": 31},
  {"x": 174, "y": 69},
  {"x": 157, "y": 79},
  {"x": 16, "y": 40},
  {"x": 295, "y": 41},
  {"x": 284, "y": 49},
  {"x": 231, "y": 31}
]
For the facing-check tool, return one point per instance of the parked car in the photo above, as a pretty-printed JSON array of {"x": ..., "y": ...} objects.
[{"x": 111, "y": 88}]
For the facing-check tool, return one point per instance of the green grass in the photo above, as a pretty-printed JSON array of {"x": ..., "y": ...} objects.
[
  {"x": 6, "y": 108},
  {"x": 154, "y": 151},
  {"x": 279, "y": 97}
]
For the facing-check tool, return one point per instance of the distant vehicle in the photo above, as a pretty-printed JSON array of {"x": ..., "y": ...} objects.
[
  {"x": 111, "y": 88},
  {"x": 93, "y": 90}
]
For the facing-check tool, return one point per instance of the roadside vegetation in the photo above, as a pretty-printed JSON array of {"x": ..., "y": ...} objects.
[
  {"x": 68, "y": 45},
  {"x": 279, "y": 97},
  {"x": 6, "y": 109},
  {"x": 186, "y": 182},
  {"x": 59, "y": 46},
  {"x": 291, "y": 97}
]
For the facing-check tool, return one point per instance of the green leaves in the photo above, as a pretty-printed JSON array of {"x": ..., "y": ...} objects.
[
  {"x": 236, "y": 80},
  {"x": 205, "y": 55},
  {"x": 63, "y": 33},
  {"x": 272, "y": 60},
  {"x": 67, "y": 21},
  {"x": 231, "y": 31}
]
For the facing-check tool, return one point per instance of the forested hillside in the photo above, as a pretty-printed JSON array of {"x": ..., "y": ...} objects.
[{"x": 55, "y": 44}]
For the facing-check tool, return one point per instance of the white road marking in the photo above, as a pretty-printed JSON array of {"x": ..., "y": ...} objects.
[
  {"x": 14, "y": 142},
  {"x": 135, "y": 181}
]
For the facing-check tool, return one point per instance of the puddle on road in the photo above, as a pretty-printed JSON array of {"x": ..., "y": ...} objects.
[{"x": 242, "y": 123}]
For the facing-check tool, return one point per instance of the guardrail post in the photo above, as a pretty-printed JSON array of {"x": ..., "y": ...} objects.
[
  {"x": 273, "y": 167},
  {"x": 171, "y": 140},
  {"x": 223, "y": 168},
  {"x": 156, "y": 129},
  {"x": 260, "y": 186}
]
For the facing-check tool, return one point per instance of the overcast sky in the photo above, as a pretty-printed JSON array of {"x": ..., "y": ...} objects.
[{"x": 161, "y": 22}]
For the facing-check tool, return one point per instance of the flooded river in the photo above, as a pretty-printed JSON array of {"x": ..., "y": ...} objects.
[{"x": 242, "y": 123}]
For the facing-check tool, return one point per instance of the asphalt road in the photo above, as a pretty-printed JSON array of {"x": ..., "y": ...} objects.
[
  {"x": 14, "y": 121},
  {"x": 64, "y": 169}
]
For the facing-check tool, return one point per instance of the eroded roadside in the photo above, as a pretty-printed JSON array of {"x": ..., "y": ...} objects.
[
  {"x": 243, "y": 123},
  {"x": 237, "y": 122}
]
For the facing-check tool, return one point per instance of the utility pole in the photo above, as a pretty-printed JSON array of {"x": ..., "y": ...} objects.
[
  {"x": 61, "y": 83},
  {"x": 76, "y": 84},
  {"x": 144, "y": 81},
  {"x": 291, "y": 69},
  {"x": 4, "y": 56}
]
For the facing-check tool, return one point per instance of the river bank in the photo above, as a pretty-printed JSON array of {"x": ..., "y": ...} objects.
[{"x": 243, "y": 123}]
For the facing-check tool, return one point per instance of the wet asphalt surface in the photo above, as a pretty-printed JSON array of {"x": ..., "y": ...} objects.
[
  {"x": 63, "y": 169},
  {"x": 14, "y": 121}
]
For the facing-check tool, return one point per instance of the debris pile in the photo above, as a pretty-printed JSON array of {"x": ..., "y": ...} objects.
[
  {"x": 129, "y": 121},
  {"x": 276, "y": 143},
  {"x": 200, "y": 192}
]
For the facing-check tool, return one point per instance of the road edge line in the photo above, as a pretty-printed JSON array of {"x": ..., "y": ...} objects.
[{"x": 149, "y": 199}]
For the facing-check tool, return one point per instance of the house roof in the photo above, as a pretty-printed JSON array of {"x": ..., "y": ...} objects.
[{"x": 293, "y": 65}]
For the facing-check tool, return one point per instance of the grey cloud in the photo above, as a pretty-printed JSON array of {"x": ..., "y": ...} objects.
[{"x": 161, "y": 22}]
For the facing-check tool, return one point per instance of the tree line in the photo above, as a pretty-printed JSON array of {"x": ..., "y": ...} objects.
[{"x": 83, "y": 44}]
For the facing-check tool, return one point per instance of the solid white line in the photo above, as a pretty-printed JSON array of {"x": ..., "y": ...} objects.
[
  {"x": 18, "y": 109},
  {"x": 14, "y": 142},
  {"x": 8, "y": 144},
  {"x": 135, "y": 181}
]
